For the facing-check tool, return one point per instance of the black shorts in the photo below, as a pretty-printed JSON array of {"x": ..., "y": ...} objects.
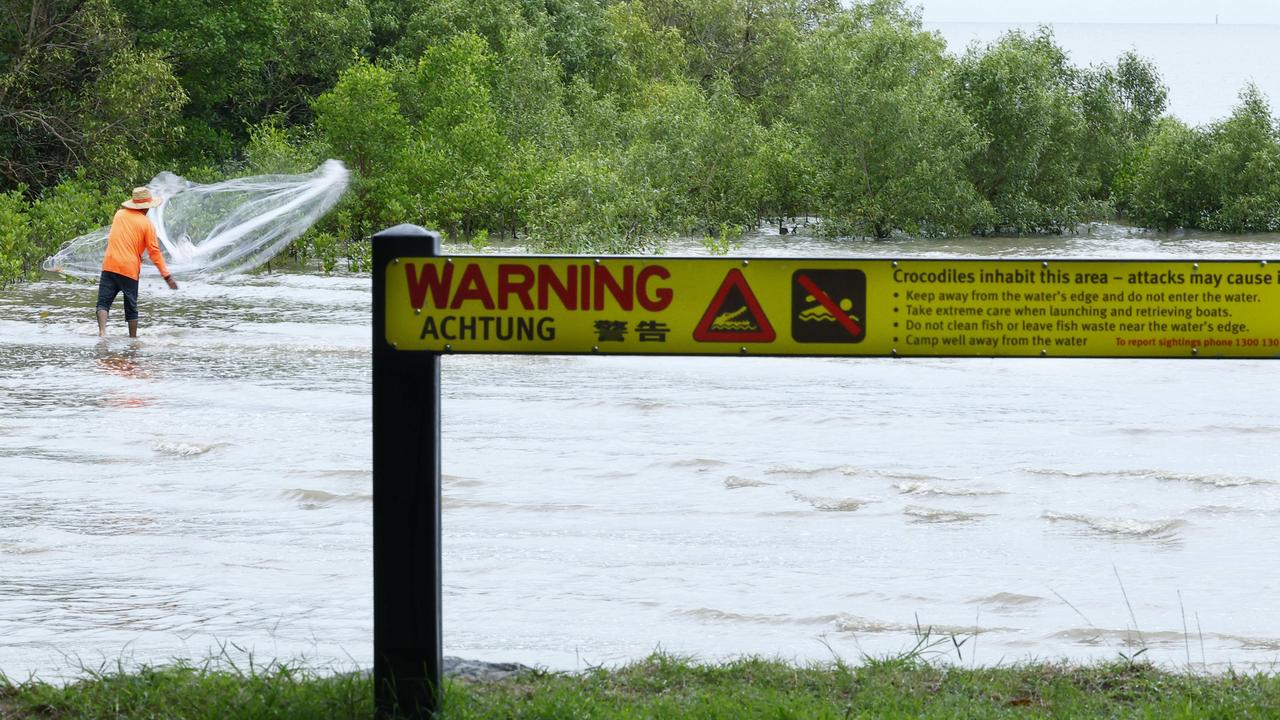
[{"x": 111, "y": 284}]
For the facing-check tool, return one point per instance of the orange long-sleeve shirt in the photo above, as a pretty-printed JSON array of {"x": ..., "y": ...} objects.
[{"x": 131, "y": 234}]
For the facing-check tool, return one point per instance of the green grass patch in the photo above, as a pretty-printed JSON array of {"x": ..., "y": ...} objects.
[
  {"x": 192, "y": 692},
  {"x": 663, "y": 686}
]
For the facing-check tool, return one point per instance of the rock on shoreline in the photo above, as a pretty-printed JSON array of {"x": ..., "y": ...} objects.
[
  {"x": 480, "y": 671},
  {"x": 471, "y": 670}
]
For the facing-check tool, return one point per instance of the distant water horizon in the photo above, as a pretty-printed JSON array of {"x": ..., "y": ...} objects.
[{"x": 1204, "y": 65}]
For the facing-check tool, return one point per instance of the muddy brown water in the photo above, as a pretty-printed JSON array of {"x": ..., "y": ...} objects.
[{"x": 206, "y": 489}]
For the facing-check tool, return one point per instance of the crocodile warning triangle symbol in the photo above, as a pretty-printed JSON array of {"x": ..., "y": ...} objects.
[{"x": 734, "y": 314}]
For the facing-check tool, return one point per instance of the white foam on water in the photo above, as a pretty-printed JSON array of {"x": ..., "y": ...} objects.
[
  {"x": 183, "y": 449},
  {"x": 939, "y": 515},
  {"x": 924, "y": 488},
  {"x": 1123, "y": 527},
  {"x": 733, "y": 482}
]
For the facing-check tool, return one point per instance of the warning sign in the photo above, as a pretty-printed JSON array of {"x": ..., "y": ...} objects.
[
  {"x": 828, "y": 306},
  {"x": 885, "y": 307},
  {"x": 734, "y": 315}
]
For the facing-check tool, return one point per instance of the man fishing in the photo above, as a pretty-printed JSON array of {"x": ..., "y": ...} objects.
[{"x": 131, "y": 234}]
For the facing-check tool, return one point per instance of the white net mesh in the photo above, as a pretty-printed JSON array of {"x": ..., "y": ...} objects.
[{"x": 223, "y": 228}]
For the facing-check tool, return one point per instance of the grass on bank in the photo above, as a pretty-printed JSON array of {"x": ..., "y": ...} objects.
[{"x": 663, "y": 686}]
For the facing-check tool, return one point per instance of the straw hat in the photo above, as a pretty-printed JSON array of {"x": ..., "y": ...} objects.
[{"x": 141, "y": 199}]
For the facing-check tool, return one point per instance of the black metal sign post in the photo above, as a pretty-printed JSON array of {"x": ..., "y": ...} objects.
[
  {"x": 425, "y": 305},
  {"x": 407, "y": 643}
]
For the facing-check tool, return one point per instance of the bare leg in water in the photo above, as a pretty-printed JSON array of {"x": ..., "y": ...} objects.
[{"x": 102, "y": 325}]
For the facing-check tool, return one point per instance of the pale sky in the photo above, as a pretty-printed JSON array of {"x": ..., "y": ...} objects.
[{"x": 1246, "y": 12}]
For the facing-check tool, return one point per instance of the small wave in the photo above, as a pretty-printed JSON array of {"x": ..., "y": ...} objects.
[
  {"x": 935, "y": 515},
  {"x": 1162, "y": 638},
  {"x": 1219, "y": 481},
  {"x": 1125, "y": 527},
  {"x": 450, "y": 502},
  {"x": 799, "y": 471},
  {"x": 830, "y": 504},
  {"x": 733, "y": 482},
  {"x": 642, "y": 405},
  {"x": 1007, "y": 599},
  {"x": 701, "y": 464},
  {"x": 1054, "y": 472},
  {"x": 1222, "y": 510},
  {"x": 1128, "y": 637},
  {"x": 1244, "y": 429},
  {"x": 1230, "y": 429},
  {"x": 17, "y": 549},
  {"x": 182, "y": 449},
  {"x": 312, "y": 499},
  {"x": 713, "y": 615},
  {"x": 855, "y": 624},
  {"x": 911, "y": 477},
  {"x": 1253, "y": 643},
  {"x": 836, "y": 505},
  {"x": 348, "y": 474},
  {"x": 916, "y": 487}
]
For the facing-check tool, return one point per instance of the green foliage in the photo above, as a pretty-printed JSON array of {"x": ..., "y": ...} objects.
[
  {"x": 458, "y": 148},
  {"x": 70, "y": 209},
  {"x": 695, "y": 152},
  {"x": 1141, "y": 92},
  {"x": 888, "y": 147},
  {"x": 1120, "y": 105},
  {"x": 360, "y": 122},
  {"x": 1019, "y": 93},
  {"x": 315, "y": 42},
  {"x": 76, "y": 91},
  {"x": 754, "y": 44},
  {"x": 574, "y": 32},
  {"x": 603, "y": 125},
  {"x": 1165, "y": 184},
  {"x": 527, "y": 95},
  {"x": 276, "y": 148},
  {"x": 219, "y": 47},
  {"x": 1243, "y": 165},
  {"x": 1223, "y": 177},
  {"x": 646, "y": 53},
  {"x": 787, "y": 177},
  {"x": 587, "y": 206},
  {"x": 30, "y": 231},
  {"x": 16, "y": 246},
  {"x": 723, "y": 241}
]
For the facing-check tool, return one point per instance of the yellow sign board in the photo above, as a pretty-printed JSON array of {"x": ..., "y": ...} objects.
[{"x": 858, "y": 307}]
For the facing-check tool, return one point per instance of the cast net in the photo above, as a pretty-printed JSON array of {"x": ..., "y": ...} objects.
[{"x": 222, "y": 228}]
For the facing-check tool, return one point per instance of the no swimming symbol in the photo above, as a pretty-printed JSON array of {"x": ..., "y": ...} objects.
[{"x": 828, "y": 306}]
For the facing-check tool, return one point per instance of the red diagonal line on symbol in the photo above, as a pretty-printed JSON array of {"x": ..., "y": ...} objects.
[{"x": 848, "y": 323}]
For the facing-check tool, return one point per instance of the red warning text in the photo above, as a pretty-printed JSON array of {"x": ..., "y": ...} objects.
[{"x": 530, "y": 287}]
